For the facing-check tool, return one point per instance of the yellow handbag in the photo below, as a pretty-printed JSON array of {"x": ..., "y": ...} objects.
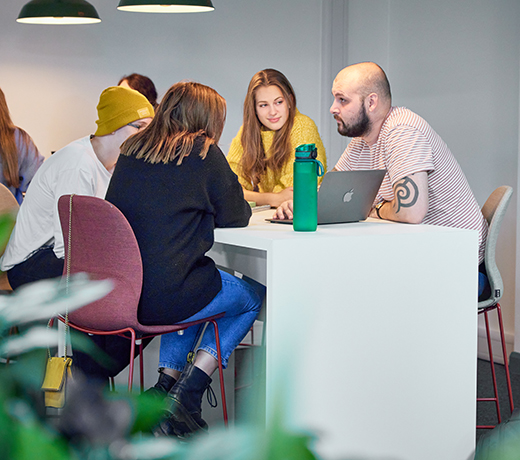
[{"x": 54, "y": 384}]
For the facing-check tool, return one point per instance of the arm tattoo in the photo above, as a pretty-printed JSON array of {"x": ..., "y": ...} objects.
[{"x": 406, "y": 193}]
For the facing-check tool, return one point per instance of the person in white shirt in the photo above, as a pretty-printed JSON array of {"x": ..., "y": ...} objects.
[{"x": 35, "y": 250}]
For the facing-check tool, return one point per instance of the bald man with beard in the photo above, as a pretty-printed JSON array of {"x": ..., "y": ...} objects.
[{"x": 423, "y": 184}]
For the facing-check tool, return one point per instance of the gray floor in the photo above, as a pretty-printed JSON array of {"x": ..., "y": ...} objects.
[{"x": 249, "y": 384}]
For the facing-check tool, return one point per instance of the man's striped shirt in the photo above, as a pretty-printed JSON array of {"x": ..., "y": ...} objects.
[{"x": 407, "y": 145}]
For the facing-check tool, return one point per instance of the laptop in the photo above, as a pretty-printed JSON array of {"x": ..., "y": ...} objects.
[{"x": 345, "y": 196}]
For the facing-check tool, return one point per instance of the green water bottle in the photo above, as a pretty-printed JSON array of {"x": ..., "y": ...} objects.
[{"x": 305, "y": 182}]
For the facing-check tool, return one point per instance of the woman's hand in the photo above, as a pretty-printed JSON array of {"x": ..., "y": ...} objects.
[
  {"x": 284, "y": 211},
  {"x": 278, "y": 198},
  {"x": 272, "y": 199}
]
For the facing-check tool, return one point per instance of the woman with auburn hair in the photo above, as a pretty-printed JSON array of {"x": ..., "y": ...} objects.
[
  {"x": 174, "y": 186},
  {"x": 20, "y": 157},
  {"x": 262, "y": 153},
  {"x": 141, "y": 84}
]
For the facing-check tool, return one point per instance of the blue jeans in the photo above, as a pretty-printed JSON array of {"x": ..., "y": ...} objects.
[
  {"x": 482, "y": 281},
  {"x": 484, "y": 289},
  {"x": 241, "y": 301}
]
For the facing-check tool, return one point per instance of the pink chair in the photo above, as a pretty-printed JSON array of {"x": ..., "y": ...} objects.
[{"x": 99, "y": 241}]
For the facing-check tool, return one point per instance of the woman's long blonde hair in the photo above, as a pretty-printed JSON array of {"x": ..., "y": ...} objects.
[
  {"x": 254, "y": 162},
  {"x": 187, "y": 111},
  {"x": 8, "y": 148}
]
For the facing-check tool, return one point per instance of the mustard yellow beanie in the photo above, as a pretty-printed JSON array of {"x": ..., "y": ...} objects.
[{"x": 119, "y": 106}]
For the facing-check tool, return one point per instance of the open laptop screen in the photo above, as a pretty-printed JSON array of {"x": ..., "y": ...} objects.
[{"x": 346, "y": 196}]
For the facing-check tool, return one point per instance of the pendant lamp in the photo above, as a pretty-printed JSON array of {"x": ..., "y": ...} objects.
[
  {"x": 58, "y": 12},
  {"x": 162, "y": 6}
]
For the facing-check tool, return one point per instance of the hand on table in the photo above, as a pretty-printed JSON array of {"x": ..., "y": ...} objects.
[{"x": 284, "y": 211}]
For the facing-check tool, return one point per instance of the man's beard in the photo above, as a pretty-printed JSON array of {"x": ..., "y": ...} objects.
[{"x": 360, "y": 127}]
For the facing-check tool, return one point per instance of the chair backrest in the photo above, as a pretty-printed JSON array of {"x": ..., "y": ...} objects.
[
  {"x": 8, "y": 202},
  {"x": 102, "y": 244},
  {"x": 494, "y": 210}
]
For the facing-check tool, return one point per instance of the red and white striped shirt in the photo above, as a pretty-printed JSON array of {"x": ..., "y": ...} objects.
[{"x": 407, "y": 145}]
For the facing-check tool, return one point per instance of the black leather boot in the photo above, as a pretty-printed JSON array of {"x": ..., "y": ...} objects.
[
  {"x": 162, "y": 387},
  {"x": 185, "y": 400}
]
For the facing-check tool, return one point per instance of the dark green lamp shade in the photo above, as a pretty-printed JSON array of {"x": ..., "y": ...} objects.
[
  {"x": 58, "y": 12},
  {"x": 161, "y": 6}
]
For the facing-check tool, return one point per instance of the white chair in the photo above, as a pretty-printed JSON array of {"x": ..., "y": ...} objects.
[{"x": 494, "y": 210}]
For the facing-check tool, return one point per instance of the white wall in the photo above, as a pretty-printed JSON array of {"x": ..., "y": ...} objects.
[
  {"x": 52, "y": 75},
  {"x": 456, "y": 63}
]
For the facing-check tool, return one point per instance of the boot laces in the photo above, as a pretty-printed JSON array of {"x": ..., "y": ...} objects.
[{"x": 211, "y": 397}]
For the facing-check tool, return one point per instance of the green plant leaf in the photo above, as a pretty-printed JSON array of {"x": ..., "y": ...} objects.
[
  {"x": 36, "y": 337},
  {"x": 48, "y": 298},
  {"x": 149, "y": 411},
  {"x": 30, "y": 439},
  {"x": 7, "y": 221},
  {"x": 34, "y": 442},
  {"x": 152, "y": 448}
]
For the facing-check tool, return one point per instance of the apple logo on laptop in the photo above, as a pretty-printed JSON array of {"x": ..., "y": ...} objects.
[{"x": 348, "y": 196}]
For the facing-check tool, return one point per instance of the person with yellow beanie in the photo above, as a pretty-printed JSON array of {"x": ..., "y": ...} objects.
[{"x": 35, "y": 250}]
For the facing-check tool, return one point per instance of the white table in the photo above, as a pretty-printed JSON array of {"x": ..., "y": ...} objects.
[{"x": 371, "y": 333}]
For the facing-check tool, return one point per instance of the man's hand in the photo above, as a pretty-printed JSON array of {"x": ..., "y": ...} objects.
[
  {"x": 410, "y": 204},
  {"x": 284, "y": 211}
]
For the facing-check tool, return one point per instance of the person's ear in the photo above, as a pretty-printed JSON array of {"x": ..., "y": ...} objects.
[{"x": 371, "y": 101}]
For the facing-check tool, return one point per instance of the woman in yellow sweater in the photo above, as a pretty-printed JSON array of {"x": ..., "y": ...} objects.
[{"x": 262, "y": 153}]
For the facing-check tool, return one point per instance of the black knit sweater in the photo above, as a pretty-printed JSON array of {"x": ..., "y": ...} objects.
[{"x": 173, "y": 211}]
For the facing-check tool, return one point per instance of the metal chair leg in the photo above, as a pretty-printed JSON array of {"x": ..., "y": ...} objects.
[
  {"x": 131, "y": 365},
  {"x": 504, "y": 352},
  {"x": 141, "y": 363},
  {"x": 492, "y": 364},
  {"x": 221, "y": 373},
  {"x": 493, "y": 375}
]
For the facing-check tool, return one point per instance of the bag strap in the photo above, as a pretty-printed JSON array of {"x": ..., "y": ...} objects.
[
  {"x": 67, "y": 282},
  {"x": 67, "y": 276}
]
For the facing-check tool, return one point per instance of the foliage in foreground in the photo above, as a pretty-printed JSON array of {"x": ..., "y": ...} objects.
[{"x": 95, "y": 424}]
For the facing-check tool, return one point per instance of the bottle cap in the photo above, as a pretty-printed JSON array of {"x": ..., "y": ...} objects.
[{"x": 306, "y": 152}]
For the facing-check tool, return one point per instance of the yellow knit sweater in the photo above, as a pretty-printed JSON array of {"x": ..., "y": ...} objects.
[{"x": 304, "y": 131}]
